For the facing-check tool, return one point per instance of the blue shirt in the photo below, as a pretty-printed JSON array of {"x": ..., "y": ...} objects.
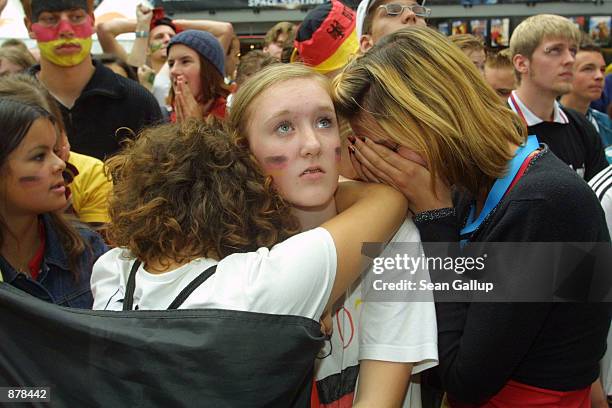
[
  {"x": 602, "y": 103},
  {"x": 603, "y": 124},
  {"x": 56, "y": 282}
]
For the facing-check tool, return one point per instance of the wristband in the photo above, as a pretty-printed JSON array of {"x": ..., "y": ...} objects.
[{"x": 142, "y": 34}]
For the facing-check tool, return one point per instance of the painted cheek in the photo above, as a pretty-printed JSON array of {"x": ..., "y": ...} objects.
[
  {"x": 276, "y": 162},
  {"x": 44, "y": 34},
  {"x": 28, "y": 181},
  {"x": 84, "y": 30},
  {"x": 275, "y": 166}
]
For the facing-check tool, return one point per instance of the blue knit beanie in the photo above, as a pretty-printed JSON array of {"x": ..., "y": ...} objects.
[{"x": 205, "y": 44}]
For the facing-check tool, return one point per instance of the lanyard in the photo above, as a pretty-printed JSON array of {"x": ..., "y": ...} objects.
[
  {"x": 500, "y": 186},
  {"x": 518, "y": 110}
]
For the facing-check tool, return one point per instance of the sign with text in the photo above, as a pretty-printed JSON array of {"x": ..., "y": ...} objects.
[{"x": 202, "y": 5}]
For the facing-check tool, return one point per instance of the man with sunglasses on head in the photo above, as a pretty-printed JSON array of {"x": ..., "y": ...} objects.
[{"x": 377, "y": 18}]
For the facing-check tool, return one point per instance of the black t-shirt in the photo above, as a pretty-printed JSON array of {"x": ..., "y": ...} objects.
[
  {"x": 554, "y": 346},
  {"x": 110, "y": 109},
  {"x": 577, "y": 143}
]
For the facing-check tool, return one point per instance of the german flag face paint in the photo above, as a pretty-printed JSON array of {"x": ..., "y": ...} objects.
[{"x": 63, "y": 36}]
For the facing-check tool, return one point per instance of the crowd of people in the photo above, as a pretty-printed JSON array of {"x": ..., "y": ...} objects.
[{"x": 182, "y": 175}]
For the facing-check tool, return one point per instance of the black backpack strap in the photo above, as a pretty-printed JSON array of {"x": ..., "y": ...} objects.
[
  {"x": 128, "y": 299},
  {"x": 193, "y": 285}
]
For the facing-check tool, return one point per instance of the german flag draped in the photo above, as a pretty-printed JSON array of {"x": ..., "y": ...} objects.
[{"x": 169, "y": 358}]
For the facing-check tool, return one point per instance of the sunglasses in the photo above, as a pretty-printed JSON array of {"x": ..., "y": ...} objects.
[{"x": 396, "y": 9}]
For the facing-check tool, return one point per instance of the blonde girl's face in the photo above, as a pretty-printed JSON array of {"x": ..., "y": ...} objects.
[
  {"x": 32, "y": 174},
  {"x": 293, "y": 134}
]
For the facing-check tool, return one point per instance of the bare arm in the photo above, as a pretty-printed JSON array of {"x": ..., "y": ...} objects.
[
  {"x": 382, "y": 384},
  {"x": 138, "y": 54},
  {"x": 368, "y": 213},
  {"x": 223, "y": 31},
  {"x": 107, "y": 31}
]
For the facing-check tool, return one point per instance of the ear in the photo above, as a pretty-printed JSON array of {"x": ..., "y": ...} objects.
[
  {"x": 365, "y": 43},
  {"x": 28, "y": 23},
  {"x": 521, "y": 64}
]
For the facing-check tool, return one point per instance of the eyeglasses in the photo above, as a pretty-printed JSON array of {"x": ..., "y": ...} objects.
[{"x": 396, "y": 9}]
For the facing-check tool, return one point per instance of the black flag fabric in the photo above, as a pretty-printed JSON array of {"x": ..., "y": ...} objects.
[{"x": 169, "y": 358}]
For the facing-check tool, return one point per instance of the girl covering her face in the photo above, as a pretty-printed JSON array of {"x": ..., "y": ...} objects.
[
  {"x": 417, "y": 90},
  {"x": 285, "y": 117}
]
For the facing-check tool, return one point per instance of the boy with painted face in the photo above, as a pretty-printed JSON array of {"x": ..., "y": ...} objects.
[
  {"x": 62, "y": 41},
  {"x": 94, "y": 101}
]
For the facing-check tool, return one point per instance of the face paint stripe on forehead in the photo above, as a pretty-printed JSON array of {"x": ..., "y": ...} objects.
[{"x": 38, "y": 6}]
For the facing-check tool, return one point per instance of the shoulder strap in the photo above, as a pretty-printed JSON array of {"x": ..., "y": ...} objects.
[
  {"x": 128, "y": 299},
  {"x": 188, "y": 290}
]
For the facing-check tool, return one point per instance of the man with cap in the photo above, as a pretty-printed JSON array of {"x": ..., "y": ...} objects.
[
  {"x": 95, "y": 102},
  {"x": 326, "y": 39},
  {"x": 377, "y": 18}
]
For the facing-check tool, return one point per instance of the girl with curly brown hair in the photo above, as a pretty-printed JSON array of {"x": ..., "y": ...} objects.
[
  {"x": 297, "y": 143},
  {"x": 187, "y": 199}
]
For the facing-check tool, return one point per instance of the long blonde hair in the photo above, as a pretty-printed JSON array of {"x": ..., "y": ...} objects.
[
  {"x": 427, "y": 95},
  {"x": 242, "y": 105}
]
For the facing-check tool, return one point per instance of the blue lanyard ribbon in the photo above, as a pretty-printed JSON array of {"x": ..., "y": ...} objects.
[{"x": 500, "y": 187}]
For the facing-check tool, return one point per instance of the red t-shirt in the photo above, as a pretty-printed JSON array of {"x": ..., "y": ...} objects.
[
  {"x": 515, "y": 395},
  {"x": 36, "y": 261},
  {"x": 217, "y": 109}
]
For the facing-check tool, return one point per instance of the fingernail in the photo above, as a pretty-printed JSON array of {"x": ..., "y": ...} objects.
[
  {"x": 362, "y": 138},
  {"x": 351, "y": 139},
  {"x": 351, "y": 149}
]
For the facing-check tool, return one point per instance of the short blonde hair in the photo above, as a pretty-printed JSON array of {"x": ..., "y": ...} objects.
[
  {"x": 500, "y": 60},
  {"x": 18, "y": 57},
  {"x": 240, "y": 113},
  {"x": 530, "y": 33},
  {"x": 428, "y": 96},
  {"x": 283, "y": 27},
  {"x": 467, "y": 42}
]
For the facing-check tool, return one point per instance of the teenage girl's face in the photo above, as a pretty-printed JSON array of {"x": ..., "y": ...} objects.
[
  {"x": 32, "y": 174},
  {"x": 184, "y": 66},
  {"x": 293, "y": 134}
]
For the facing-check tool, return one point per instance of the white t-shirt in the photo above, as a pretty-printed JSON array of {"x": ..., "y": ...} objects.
[
  {"x": 387, "y": 331},
  {"x": 162, "y": 85},
  {"x": 601, "y": 183},
  {"x": 295, "y": 277}
]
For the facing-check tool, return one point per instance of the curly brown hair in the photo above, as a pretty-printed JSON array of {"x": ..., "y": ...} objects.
[{"x": 184, "y": 191}]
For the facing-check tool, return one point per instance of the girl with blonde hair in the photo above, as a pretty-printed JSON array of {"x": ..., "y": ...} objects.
[
  {"x": 428, "y": 124},
  {"x": 297, "y": 144},
  {"x": 197, "y": 226}
]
